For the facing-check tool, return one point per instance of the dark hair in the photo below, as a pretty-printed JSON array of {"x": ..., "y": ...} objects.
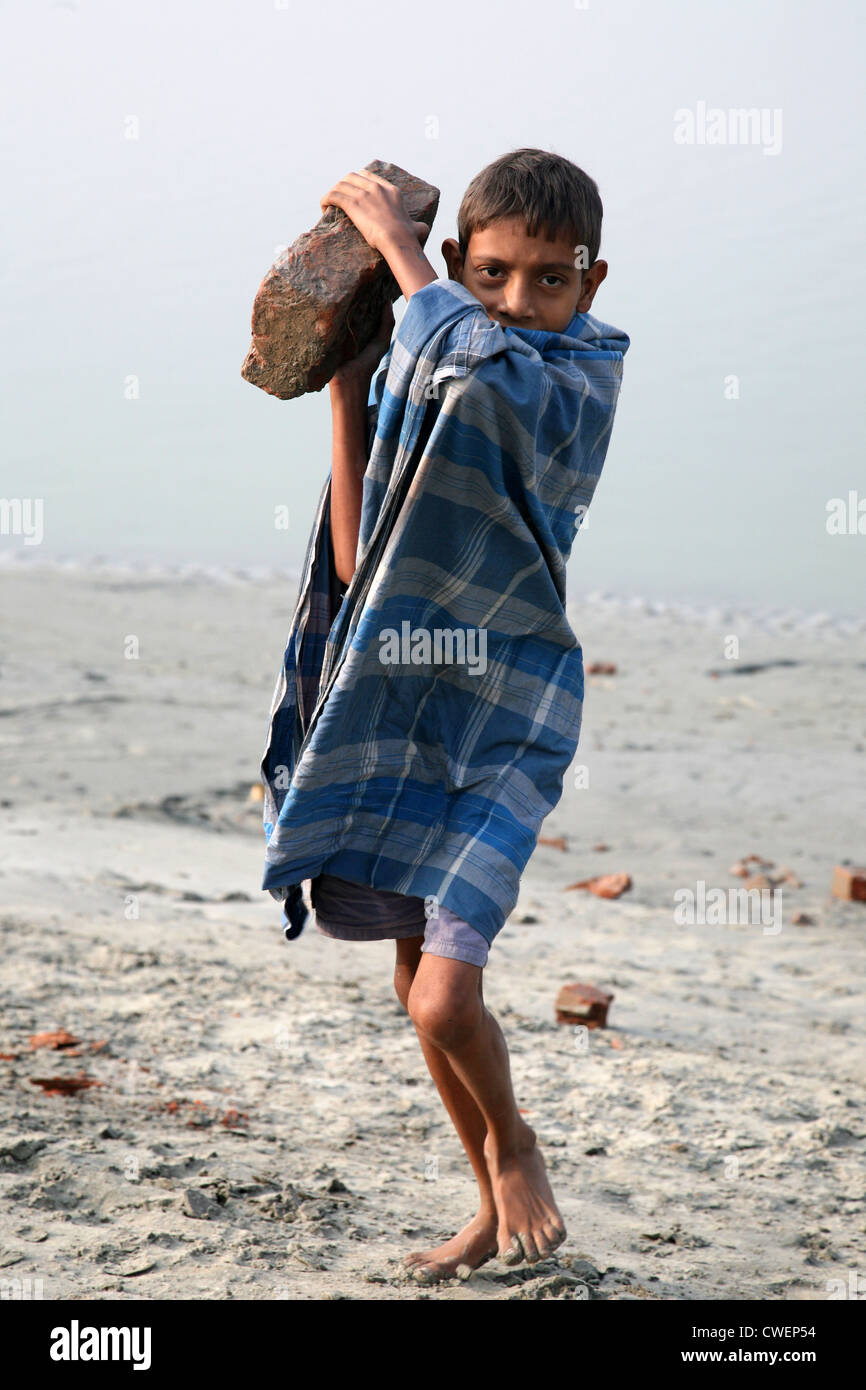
[{"x": 549, "y": 191}]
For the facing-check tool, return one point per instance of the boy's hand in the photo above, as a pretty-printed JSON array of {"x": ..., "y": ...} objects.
[{"x": 376, "y": 208}]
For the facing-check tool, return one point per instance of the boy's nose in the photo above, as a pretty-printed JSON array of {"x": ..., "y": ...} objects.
[{"x": 518, "y": 307}]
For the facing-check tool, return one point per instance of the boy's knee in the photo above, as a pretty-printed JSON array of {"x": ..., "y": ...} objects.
[
  {"x": 404, "y": 976},
  {"x": 446, "y": 1017}
]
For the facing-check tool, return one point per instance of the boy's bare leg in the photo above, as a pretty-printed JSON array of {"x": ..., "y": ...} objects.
[
  {"x": 447, "y": 1008},
  {"x": 476, "y": 1243}
]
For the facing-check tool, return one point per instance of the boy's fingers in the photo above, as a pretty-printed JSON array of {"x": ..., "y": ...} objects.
[
  {"x": 359, "y": 180},
  {"x": 334, "y": 198},
  {"x": 377, "y": 178},
  {"x": 364, "y": 181},
  {"x": 341, "y": 194}
]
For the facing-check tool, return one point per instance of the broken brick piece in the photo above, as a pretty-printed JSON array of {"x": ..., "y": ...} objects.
[
  {"x": 849, "y": 884},
  {"x": 56, "y": 1040},
  {"x": 759, "y": 881},
  {"x": 552, "y": 841},
  {"x": 604, "y": 885},
  {"x": 577, "y": 1003},
  {"x": 65, "y": 1085},
  {"x": 235, "y": 1119},
  {"x": 749, "y": 863},
  {"x": 601, "y": 668},
  {"x": 321, "y": 302}
]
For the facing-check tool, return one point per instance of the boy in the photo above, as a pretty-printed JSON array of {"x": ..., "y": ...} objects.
[{"x": 411, "y": 790}]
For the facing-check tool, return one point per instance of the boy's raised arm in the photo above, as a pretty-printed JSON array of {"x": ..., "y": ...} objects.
[
  {"x": 349, "y": 389},
  {"x": 348, "y": 462}
]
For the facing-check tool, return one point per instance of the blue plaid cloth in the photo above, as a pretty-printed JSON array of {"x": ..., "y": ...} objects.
[{"x": 422, "y": 773}]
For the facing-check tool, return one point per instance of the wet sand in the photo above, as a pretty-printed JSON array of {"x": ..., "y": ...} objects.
[{"x": 707, "y": 1144}]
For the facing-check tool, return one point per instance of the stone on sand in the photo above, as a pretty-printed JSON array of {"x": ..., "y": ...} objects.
[
  {"x": 578, "y": 1003},
  {"x": 849, "y": 884}
]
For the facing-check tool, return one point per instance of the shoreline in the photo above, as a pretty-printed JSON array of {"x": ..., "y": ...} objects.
[{"x": 772, "y": 617}]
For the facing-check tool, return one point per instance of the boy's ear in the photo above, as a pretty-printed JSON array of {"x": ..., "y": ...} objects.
[
  {"x": 590, "y": 282},
  {"x": 453, "y": 259}
]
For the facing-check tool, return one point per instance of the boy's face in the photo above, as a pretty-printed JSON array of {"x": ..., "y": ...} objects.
[{"x": 524, "y": 281}]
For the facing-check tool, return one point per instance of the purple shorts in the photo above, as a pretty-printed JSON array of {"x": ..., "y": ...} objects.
[{"x": 359, "y": 912}]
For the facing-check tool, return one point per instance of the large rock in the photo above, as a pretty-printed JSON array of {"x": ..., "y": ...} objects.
[{"x": 321, "y": 301}]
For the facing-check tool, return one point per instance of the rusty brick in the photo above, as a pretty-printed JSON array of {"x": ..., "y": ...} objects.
[
  {"x": 577, "y": 1003},
  {"x": 603, "y": 885},
  {"x": 322, "y": 300},
  {"x": 849, "y": 884},
  {"x": 760, "y": 882}
]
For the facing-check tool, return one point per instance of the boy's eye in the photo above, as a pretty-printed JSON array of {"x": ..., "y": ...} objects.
[{"x": 490, "y": 271}]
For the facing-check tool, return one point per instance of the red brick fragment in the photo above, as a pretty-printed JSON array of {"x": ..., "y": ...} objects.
[
  {"x": 552, "y": 841},
  {"x": 849, "y": 884},
  {"x": 601, "y": 668},
  {"x": 65, "y": 1085},
  {"x": 759, "y": 881},
  {"x": 604, "y": 885},
  {"x": 322, "y": 300},
  {"x": 749, "y": 863},
  {"x": 56, "y": 1040},
  {"x": 577, "y": 1003}
]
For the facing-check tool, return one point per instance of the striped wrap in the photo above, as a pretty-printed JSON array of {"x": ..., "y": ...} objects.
[{"x": 428, "y": 775}]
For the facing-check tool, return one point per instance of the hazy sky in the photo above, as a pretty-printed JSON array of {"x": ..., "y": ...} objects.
[{"x": 140, "y": 257}]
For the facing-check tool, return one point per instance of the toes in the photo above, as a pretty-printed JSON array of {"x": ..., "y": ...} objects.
[
  {"x": 513, "y": 1254},
  {"x": 549, "y": 1238},
  {"x": 528, "y": 1243}
]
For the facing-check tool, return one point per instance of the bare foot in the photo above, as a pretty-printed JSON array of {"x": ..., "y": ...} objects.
[
  {"x": 472, "y": 1247},
  {"x": 530, "y": 1226}
]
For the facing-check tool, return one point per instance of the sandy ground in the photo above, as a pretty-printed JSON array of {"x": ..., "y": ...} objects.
[{"x": 264, "y": 1125}]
